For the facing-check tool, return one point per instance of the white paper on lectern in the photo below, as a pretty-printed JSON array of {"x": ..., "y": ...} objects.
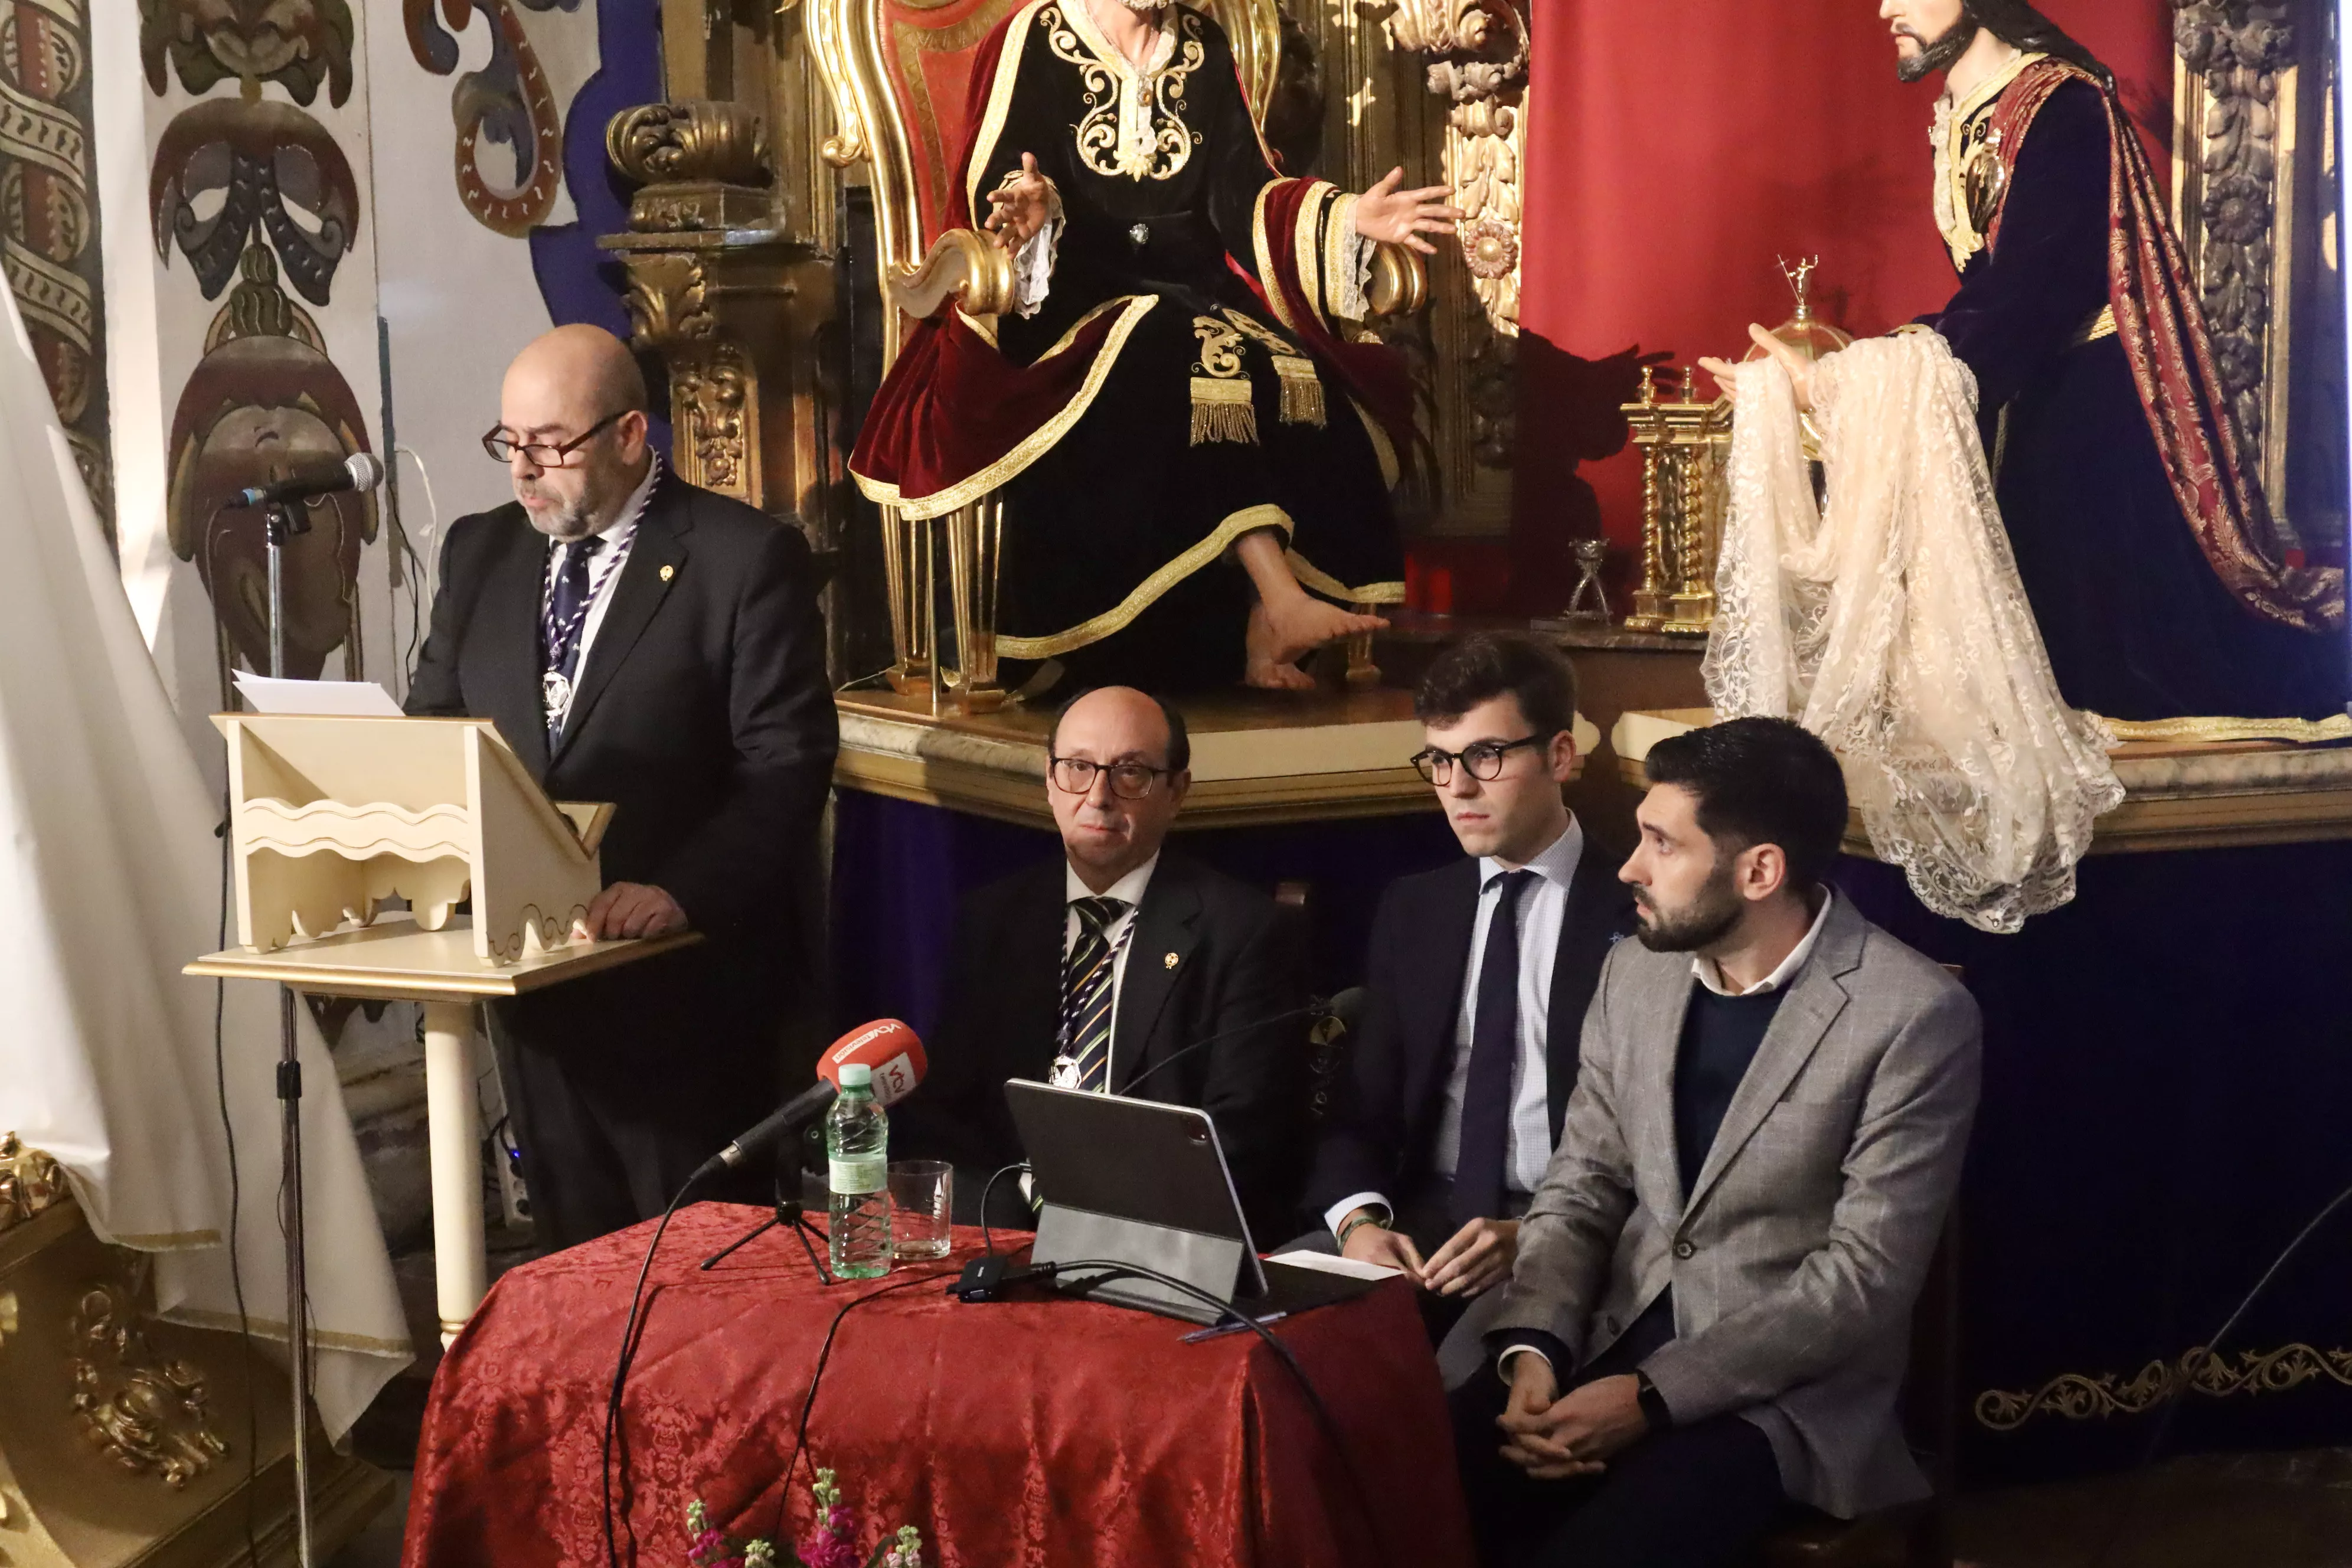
[
  {"x": 110, "y": 878},
  {"x": 340, "y": 698}
]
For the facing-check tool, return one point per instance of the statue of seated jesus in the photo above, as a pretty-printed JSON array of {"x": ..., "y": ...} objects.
[{"x": 1196, "y": 465}]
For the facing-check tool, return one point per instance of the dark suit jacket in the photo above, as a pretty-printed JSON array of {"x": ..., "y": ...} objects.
[
  {"x": 703, "y": 713},
  {"x": 1233, "y": 969},
  {"x": 1382, "y": 1121}
]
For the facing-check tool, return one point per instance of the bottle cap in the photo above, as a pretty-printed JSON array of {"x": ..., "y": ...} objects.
[{"x": 856, "y": 1075}]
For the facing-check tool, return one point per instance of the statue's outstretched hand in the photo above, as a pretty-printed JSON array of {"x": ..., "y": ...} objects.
[
  {"x": 1799, "y": 368},
  {"x": 1021, "y": 206},
  {"x": 1402, "y": 217}
]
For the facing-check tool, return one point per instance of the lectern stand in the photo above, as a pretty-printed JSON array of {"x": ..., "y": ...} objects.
[{"x": 331, "y": 817}]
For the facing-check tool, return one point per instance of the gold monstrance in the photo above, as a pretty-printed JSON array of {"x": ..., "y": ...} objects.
[{"x": 1814, "y": 339}]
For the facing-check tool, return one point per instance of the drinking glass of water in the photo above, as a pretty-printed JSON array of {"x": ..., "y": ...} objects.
[{"x": 921, "y": 1198}]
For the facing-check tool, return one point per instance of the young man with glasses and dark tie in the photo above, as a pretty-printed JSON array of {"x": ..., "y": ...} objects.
[
  {"x": 647, "y": 643},
  {"x": 1097, "y": 967},
  {"x": 1450, "y": 1102}
]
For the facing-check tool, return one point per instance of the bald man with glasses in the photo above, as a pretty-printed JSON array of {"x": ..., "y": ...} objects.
[
  {"x": 642, "y": 641},
  {"x": 1094, "y": 969}
]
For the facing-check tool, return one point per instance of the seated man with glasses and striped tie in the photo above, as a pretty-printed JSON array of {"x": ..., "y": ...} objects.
[
  {"x": 649, "y": 643},
  {"x": 1095, "y": 969},
  {"x": 1451, "y": 1100}
]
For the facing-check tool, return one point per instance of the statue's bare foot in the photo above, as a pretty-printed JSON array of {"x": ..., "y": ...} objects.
[{"x": 1292, "y": 627}]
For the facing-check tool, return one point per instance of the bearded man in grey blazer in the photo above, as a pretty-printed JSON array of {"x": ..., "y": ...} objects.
[{"x": 1709, "y": 1312}]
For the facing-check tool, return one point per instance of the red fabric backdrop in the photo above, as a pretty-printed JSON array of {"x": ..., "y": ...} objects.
[{"x": 1674, "y": 151}]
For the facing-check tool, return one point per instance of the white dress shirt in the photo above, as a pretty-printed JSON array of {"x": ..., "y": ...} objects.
[
  {"x": 1129, "y": 890},
  {"x": 1543, "y": 908},
  {"x": 1711, "y": 978},
  {"x": 617, "y": 535}
]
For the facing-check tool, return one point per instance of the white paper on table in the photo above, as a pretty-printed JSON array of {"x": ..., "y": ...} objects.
[
  {"x": 348, "y": 698},
  {"x": 1332, "y": 1263}
]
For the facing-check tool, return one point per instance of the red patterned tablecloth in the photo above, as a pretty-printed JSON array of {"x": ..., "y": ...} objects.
[{"x": 1036, "y": 1431}]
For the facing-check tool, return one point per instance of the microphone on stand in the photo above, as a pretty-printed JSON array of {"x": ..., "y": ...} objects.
[
  {"x": 887, "y": 1045},
  {"x": 1343, "y": 1010},
  {"x": 360, "y": 471}
]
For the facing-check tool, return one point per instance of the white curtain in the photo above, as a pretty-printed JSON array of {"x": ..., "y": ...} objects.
[
  {"x": 1893, "y": 626},
  {"x": 110, "y": 877}
]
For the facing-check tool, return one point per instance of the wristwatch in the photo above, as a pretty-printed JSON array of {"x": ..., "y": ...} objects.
[
  {"x": 1652, "y": 1403},
  {"x": 1372, "y": 1216}
]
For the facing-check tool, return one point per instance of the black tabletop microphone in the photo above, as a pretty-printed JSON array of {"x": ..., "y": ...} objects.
[
  {"x": 360, "y": 471},
  {"x": 1345, "y": 1010}
]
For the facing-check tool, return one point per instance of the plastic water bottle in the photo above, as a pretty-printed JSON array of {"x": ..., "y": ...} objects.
[{"x": 857, "y": 1156}]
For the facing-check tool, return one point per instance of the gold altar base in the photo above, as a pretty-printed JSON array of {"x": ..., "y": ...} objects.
[
  {"x": 91, "y": 1489},
  {"x": 2179, "y": 794},
  {"x": 1258, "y": 758}
]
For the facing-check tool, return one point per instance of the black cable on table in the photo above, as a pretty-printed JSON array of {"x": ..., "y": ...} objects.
[
  {"x": 988, "y": 1238},
  {"x": 825, "y": 1355},
  {"x": 629, "y": 1337}
]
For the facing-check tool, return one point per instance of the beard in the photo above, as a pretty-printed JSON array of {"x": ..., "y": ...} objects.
[
  {"x": 1938, "y": 56},
  {"x": 1702, "y": 922}
]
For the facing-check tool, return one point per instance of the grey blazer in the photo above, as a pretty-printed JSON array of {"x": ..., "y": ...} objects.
[{"x": 1796, "y": 1262}]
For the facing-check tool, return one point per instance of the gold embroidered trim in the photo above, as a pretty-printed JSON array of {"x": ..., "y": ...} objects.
[
  {"x": 1306, "y": 241},
  {"x": 1039, "y": 441},
  {"x": 1263, "y": 243},
  {"x": 1391, "y": 469},
  {"x": 1310, "y": 575},
  {"x": 1249, "y": 519},
  {"x": 1302, "y": 389},
  {"x": 275, "y": 1328},
  {"x": 168, "y": 1240},
  {"x": 2301, "y": 732},
  {"x": 985, "y": 326},
  {"x": 1000, "y": 102},
  {"x": 1343, "y": 250},
  {"x": 1135, "y": 128},
  {"x": 1223, "y": 411},
  {"x": 2102, "y": 325},
  {"x": 2079, "y": 1396}
]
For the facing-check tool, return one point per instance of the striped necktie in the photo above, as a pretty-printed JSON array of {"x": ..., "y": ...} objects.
[{"x": 1086, "y": 971}]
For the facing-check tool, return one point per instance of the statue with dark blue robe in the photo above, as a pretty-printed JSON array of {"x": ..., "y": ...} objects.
[{"x": 2140, "y": 532}]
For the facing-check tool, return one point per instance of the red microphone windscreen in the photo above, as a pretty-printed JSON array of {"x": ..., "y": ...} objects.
[{"x": 887, "y": 1045}]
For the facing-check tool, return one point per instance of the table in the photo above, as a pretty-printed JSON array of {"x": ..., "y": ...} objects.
[
  {"x": 1038, "y": 1431},
  {"x": 393, "y": 960}
]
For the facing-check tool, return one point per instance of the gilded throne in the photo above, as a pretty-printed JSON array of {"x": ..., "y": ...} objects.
[{"x": 898, "y": 73}]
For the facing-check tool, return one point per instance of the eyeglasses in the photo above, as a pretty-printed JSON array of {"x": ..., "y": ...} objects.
[
  {"x": 502, "y": 446},
  {"x": 1129, "y": 780},
  {"x": 1483, "y": 758}
]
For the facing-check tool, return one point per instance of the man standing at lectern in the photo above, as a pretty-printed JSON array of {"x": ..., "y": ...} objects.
[{"x": 647, "y": 643}]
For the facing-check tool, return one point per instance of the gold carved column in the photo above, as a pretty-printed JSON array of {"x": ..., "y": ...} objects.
[{"x": 730, "y": 303}]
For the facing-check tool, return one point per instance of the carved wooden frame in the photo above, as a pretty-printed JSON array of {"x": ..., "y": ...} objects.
[{"x": 2240, "y": 163}]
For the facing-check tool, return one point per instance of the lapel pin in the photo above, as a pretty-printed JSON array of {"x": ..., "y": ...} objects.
[
  {"x": 1170, "y": 960},
  {"x": 668, "y": 572}
]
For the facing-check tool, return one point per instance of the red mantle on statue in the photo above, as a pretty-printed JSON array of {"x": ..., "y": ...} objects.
[{"x": 1032, "y": 1432}]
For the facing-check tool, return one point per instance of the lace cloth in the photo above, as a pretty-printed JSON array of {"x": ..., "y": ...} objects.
[{"x": 1893, "y": 626}]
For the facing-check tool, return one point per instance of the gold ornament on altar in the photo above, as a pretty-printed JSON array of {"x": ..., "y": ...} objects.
[
  {"x": 1813, "y": 338},
  {"x": 1685, "y": 444}
]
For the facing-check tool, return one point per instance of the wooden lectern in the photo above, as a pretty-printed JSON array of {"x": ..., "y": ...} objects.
[{"x": 330, "y": 817}]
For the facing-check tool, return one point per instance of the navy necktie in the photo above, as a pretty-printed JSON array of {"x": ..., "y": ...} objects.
[
  {"x": 1484, "y": 1149},
  {"x": 567, "y": 620}
]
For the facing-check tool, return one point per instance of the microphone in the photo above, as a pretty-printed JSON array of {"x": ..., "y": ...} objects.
[
  {"x": 360, "y": 471},
  {"x": 1338, "y": 1014},
  {"x": 887, "y": 1045}
]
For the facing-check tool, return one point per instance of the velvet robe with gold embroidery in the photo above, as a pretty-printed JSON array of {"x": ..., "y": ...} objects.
[
  {"x": 1183, "y": 381},
  {"x": 2141, "y": 533}
]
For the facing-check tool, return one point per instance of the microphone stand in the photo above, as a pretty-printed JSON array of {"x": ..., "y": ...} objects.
[
  {"x": 789, "y": 1212},
  {"x": 281, "y": 522}
]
